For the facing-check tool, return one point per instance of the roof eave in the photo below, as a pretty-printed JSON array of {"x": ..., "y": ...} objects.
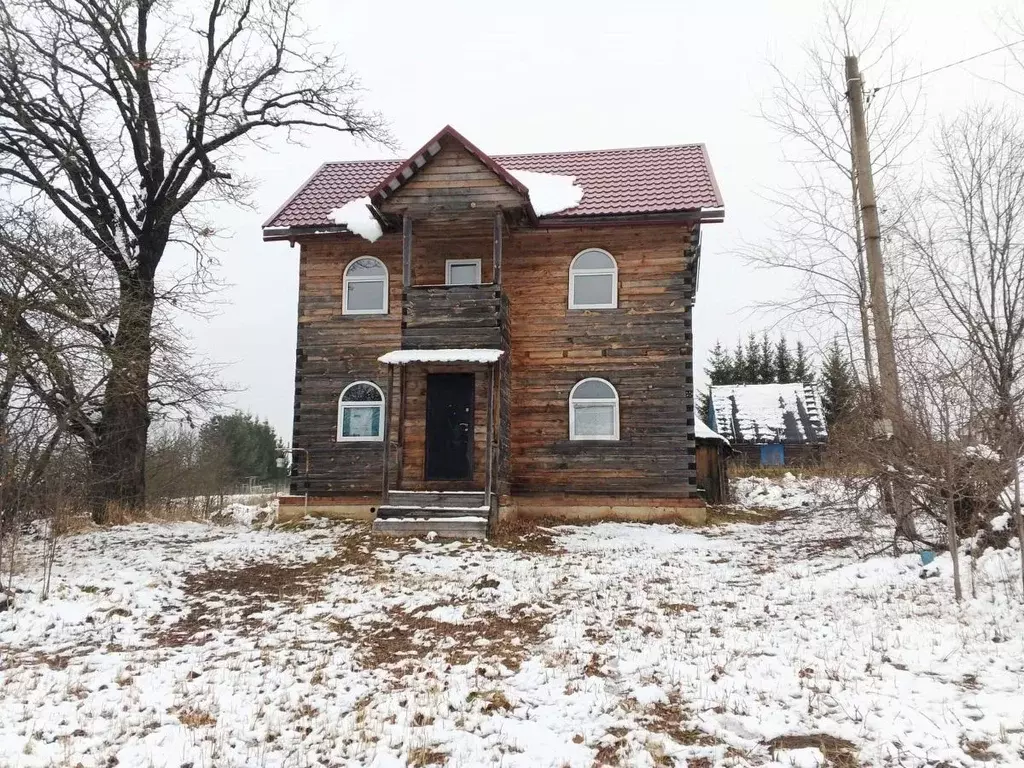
[
  {"x": 698, "y": 215},
  {"x": 277, "y": 234}
]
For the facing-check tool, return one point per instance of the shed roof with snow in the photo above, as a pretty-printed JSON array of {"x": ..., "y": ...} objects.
[
  {"x": 702, "y": 431},
  {"x": 768, "y": 413}
]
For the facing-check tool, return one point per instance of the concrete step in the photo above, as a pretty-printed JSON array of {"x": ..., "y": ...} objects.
[
  {"x": 444, "y": 528},
  {"x": 435, "y": 499},
  {"x": 433, "y": 513}
]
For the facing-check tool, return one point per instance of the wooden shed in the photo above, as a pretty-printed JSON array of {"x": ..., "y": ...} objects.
[
  {"x": 770, "y": 424},
  {"x": 713, "y": 453}
]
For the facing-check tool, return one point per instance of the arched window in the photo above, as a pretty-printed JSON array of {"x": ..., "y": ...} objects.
[
  {"x": 593, "y": 280},
  {"x": 366, "y": 287},
  {"x": 593, "y": 411},
  {"x": 361, "y": 412}
]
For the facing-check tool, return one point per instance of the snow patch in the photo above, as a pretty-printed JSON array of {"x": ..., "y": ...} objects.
[
  {"x": 1000, "y": 522},
  {"x": 406, "y": 356},
  {"x": 549, "y": 192},
  {"x": 355, "y": 216}
]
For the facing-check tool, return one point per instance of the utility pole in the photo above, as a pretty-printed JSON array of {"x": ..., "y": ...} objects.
[{"x": 888, "y": 377}]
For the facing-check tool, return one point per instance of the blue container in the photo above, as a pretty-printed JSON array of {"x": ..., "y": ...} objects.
[{"x": 927, "y": 556}]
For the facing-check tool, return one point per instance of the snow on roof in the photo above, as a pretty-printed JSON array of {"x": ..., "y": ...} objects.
[
  {"x": 549, "y": 192},
  {"x": 768, "y": 413},
  {"x": 355, "y": 216},
  {"x": 702, "y": 431},
  {"x": 406, "y": 356}
]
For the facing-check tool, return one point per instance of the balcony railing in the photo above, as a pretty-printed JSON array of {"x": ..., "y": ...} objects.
[{"x": 453, "y": 317}]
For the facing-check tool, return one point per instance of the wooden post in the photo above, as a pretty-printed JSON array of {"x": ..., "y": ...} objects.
[
  {"x": 489, "y": 470},
  {"x": 498, "y": 231},
  {"x": 888, "y": 376},
  {"x": 402, "y": 383},
  {"x": 385, "y": 473},
  {"x": 406, "y": 251}
]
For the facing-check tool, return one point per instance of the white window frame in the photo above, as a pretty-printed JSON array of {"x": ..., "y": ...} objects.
[
  {"x": 449, "y": 263},
  {"x": 342, "y": 405},
  {"x": 613, "y": 270},
  {"x": 346, "y": 279},
  {"x": 613, "y": 401}
]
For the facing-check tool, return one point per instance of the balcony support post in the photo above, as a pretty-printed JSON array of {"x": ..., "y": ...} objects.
[
  {"x": 406, "y": 251},
  {"x": 499, "y": 227}
]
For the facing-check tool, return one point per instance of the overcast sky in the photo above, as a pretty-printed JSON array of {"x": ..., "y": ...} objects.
[{"x": 545, "y": 75}]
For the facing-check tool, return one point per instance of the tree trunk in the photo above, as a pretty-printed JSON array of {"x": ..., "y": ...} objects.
[{"x": 118, "y": 459}]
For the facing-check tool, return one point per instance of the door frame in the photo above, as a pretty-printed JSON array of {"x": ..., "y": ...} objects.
[{"x": 470, "y": 448}]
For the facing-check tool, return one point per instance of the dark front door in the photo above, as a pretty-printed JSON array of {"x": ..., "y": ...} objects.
[{"x": 450, "y": 426}]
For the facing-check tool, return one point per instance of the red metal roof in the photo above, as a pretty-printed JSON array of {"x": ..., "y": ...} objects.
[{"x": 615, "y": 182}]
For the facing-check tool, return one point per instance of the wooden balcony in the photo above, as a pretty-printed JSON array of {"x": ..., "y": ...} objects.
[{"x": 454, "y": 317}]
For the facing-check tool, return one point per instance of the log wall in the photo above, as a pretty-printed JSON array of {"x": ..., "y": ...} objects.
[{"x": 644, "y": 348}]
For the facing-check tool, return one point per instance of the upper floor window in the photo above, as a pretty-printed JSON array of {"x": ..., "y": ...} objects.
[
  {"x": 462, "y": 271},
  {"x": 593, "y": 280},
  {"x": 366, "y": 287},
  {"x": 361, "y": 412},
  {"x": 593, "y": 411}
]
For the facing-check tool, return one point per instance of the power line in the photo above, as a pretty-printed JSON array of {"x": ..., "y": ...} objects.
[{"x": 951, "y": 64}]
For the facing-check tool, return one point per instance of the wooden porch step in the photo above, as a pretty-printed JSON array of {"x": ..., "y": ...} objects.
[
  {"x": 435, "y": 499},
  {"x": 434, "y": 513},
  {"x": 465, "y": 527}
]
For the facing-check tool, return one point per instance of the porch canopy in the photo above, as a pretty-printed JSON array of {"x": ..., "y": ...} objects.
[
  {"x": 411, "y": 356},
  {"x": 402, "y": 359}
]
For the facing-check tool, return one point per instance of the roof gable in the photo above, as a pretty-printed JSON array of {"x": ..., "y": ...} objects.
[
  {"x": 450, "y": 144},
  {"x": 768, "y": 413}
]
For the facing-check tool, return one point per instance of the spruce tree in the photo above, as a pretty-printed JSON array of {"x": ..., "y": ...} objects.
[
  {"x": 838, "y": 385},
  {"x": 766, "y": 366},
  {"x": 783, "y": 362},
  {"x": 739, "y": 365},
  {"x": 719, "y": 370},
  {"x": 801, "y": 370},
  {"x": 719, "y": 367},
  {"x": 753, "y": 372},
  {"x": 248, "y": 446}
]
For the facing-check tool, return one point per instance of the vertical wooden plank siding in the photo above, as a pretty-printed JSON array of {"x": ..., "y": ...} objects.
[
  {"x": 498, "y": 231},
  {"x": 406, "y": 251},
  {"x": 386, "y": 464},
  {"x": 489, "y": 473},
  {"x": 403, "y": 377}
]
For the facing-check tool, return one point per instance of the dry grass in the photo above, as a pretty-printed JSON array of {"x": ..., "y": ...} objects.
[
  {"x": 527, "y": 535},
  {"x": 838, "y": 753},
  {"x": 670, "y": 719},
  {"x": 730, "y": 514},
  {"x": 421, "y": 756},
  {"x": 977, "y": 749},
  {"x": 194, "y": 718},
  {"x": 507, "y": 639}
]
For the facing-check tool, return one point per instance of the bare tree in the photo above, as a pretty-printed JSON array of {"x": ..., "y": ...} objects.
[
  {"x": 126, "y": 117},
  {"x": 818, "y": 237},
  {"x": 970, "y": 241}
]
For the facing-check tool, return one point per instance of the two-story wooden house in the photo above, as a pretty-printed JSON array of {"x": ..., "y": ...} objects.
[{"x": 488, "y": 336}]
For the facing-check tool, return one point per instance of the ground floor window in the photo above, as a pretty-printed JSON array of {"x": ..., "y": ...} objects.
[
  {"x": 361, "y": 412},
  {"x": 593, "y": 411}
]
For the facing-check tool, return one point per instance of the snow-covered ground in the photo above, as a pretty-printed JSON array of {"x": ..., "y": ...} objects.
[{"x": 778, "y": 643}]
